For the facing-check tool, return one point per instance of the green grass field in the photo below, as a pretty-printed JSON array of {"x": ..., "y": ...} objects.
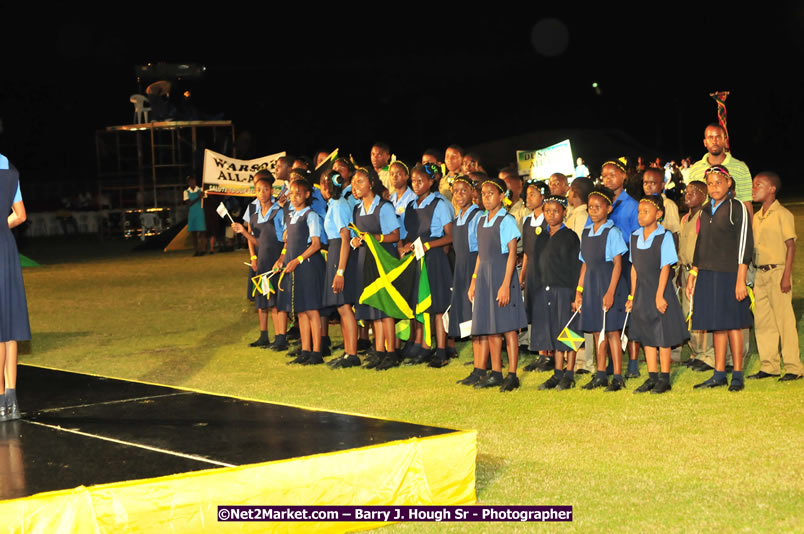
[{"x": 684, "y": 461}]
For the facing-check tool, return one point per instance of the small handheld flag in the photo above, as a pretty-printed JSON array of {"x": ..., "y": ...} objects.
[
  {"x": 689, "y": 315},
  {"x": 223, "y": 212},
  {"x": 623, "y": 337},
  {"x": 570, "y": 338},
  {"x": 602, "y": 337}
]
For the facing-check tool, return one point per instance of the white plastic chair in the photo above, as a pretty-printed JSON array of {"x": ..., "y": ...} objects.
[{"x": 142, "y": 108}]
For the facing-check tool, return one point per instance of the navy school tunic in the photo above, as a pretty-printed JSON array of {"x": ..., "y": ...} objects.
[
  {"x": 370, "y": 223},
  {"x": 460, "y": 309},
  {"x": 596, "y": 283},
  {"x": 648, "y": 325},
  {"x": 14, "y": 324},
  {"x": 487, "y": 316},
  {"x": 301, "y": 289},
  {"x": 417, "y": 224},
  {"x": 269, "y": 248}
]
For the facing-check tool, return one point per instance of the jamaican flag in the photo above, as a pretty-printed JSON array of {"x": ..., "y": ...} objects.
[
  {"x": 388, "y": 281},
  {"x": 423, "y": 302}
]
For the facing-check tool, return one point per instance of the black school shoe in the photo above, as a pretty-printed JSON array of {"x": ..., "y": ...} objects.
[
  {"x": 489, "y": 381},
  {"x": 551, "y": 383},
  {"x": 760, "y": 375},
  {"x": 301, "y": 358},
  {"x": 711, "y": 383},
  {"x": 616, "y": 384},
  {"x": 278, "y": 346},
  {"x": 596, "y": 382},
  {"x": 701, "y": 367},
  {"x": 438, "y": 363},
  {"x": 548, "y": 364},
  {"x": 260, "y": 343},
  {"x": 565, "y": 383},
  {"x": 472, "y": 379},
  {"x": 662, "y": 386},
  {"x": 424, "y": 356},
  {"x": 345, "y": 361},
  {"x": 335, "y": 363},
  {"x": 736, "y": 386},
  {"x": 510, "y": 383},
  {"x": 371, "y": 360},
  {"x": 316, "y": 358},
  {"x": 363, "y": 345},
  {"x": 389, "y": 360},
  {"x": 789, "y": 377},
  {"x": 646, "y": 386}
]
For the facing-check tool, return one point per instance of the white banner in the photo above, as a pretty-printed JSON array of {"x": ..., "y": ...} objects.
[
  {"x": 542, "y": 163},
  {"x": 229, "y": 176}
]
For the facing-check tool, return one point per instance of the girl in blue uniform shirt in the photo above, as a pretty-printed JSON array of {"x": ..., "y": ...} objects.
[
  {"x": 401, "y": 193},
  {"x": 656, "y": 321},
  {"x": 429, "y": 219},
  {"x": 498, "y": 307},
  {"x": 340, "y": 283},
  {"x": 601, "y": 286},
  {"x": 464, "y": 242},
  {"x": 264, "y": 234},
  {"x": 302, "y": 281},
  {"x": 375, "y": 216}
]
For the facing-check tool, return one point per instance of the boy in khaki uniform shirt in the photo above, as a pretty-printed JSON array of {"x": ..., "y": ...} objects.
[{"x": 774, "y": 251}]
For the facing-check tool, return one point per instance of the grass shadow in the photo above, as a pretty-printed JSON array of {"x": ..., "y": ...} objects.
[
  {"x": 179, "y": 365},
  {"x": 488, "y": 470},
  {"x": 44, "y": 341}
]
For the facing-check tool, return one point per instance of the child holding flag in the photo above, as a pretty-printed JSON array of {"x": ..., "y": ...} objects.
[
  {"x": 376, "y": 216},
  {"x": 551, "y": 310},
  {"x": 264, "y": 235},
  {"x": 428, "y": 218},
  {"x": 302, "y": 278},
  {"x": 498, "y": 307},
  {"x": 656, "y": 321},
  {"x": 601, "y": 293}
]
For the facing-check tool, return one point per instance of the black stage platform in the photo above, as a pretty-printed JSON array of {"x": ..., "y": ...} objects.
[{"x": 82, "y": 430}]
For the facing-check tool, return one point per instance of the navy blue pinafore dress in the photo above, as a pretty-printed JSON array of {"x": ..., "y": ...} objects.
[
  {"x": 596, "y": 282},
  {"x": 460, "y": 309},
  {"x": 269, "y": 248},
  {"x": 417, "y": 225},
  {"x": 370, "y": 223},
  {"x": 648, "y": 325},
  {"x": 301, "y": 289},
  {"x": 487, "y": 316},
  {"x": 14, "y": 325}
]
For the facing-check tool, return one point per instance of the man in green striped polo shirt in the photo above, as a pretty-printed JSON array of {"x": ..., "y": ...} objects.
[{"x": 716, "y": 154}]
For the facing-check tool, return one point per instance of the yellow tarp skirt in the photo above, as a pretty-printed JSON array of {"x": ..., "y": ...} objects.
[{"x": 437, "y": 470}]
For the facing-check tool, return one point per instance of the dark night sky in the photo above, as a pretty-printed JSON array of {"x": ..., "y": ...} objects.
[{"x": 417, "y": 78}]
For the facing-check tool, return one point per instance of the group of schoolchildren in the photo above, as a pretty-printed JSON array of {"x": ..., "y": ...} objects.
[{"x": 593, "y": 260}]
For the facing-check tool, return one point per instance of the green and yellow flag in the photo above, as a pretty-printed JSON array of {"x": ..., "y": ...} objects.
[
  {"x": 570, "y": 338},
  {"x": 424, "y": 302},
  {"x": 388, "y": 281}
]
